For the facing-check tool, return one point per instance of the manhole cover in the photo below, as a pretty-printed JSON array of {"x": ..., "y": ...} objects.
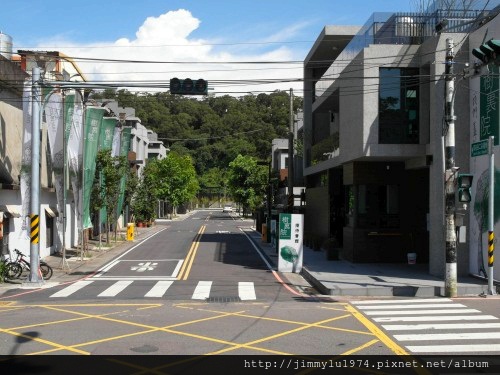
[
  {"x": 145, "y": 349},
  {"x": 223, "y": 299}
]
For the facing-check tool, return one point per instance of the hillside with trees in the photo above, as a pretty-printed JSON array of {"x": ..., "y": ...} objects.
[{"x": 212, "y": 130}]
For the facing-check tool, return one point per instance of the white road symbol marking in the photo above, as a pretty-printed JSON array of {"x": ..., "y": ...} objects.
[{"x": 147, "y": 266}]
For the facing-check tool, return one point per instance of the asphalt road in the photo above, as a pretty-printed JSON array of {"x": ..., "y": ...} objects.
[{"x": 201, "y": 287}]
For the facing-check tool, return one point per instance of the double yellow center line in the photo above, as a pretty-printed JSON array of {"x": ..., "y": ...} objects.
[{"x": 188, "y": 262}]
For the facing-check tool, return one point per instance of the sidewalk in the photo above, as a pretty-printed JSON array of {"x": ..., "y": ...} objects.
[
  {"x": 343, "y": 278},
  {"x": 329, "y": 277}
]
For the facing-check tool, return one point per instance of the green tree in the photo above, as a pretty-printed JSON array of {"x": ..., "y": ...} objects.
[
  {"x": 174, "y": 179},
  {"x": 106, "y": 189},
  {"x": 143, "y": 200},
  {"x": 247, "y": 182}
]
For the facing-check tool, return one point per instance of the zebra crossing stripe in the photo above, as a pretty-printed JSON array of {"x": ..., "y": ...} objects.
[
  {"x": 246, "y": 291},
  {"x": 430, "y": 318},
  {"x": 405, "y": 301},
  {"x": 477, "y": 348},
  {"x": 116, "y": 288},
  {"x": 437, "y": 326},
  {"x": 420, "y": 312},
  {"x": 422, "y": 306},
  {"x": 159, "y": 289},
  {"x": 449, "y": 336},
  {"x": 431, "y": 312},
  {"x": 71, "y": 289},
  {"x": 202, "y": 290}
]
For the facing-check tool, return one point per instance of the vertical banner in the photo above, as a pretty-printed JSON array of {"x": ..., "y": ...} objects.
[
  {"x": 105, "y": 143},
  {"x": 74, "y": 120},
  {"x": 484, "y": 122},
  {"x": 291, "y": 230},
  {"x": 26, "y": 157},
  {"x": 55, "y": 132},
  {"x": 93, "y": 120},
  {"x": 124, "y": 148},
  {"x": 489, "y": 108}
]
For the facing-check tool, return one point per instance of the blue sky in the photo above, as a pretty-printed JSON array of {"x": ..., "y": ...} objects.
[{"x": 188, "y": 31}]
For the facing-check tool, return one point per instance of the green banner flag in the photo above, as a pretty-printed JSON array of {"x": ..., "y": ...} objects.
[
  {"x": 107, "y": 131},
  {"x": 489, "y": 108},
  {"x": 124, "y": 149},
  {"x": 69, "y": 106},
  {"x": 105, "y": 143},
  {"x": 93, "y": 120}
]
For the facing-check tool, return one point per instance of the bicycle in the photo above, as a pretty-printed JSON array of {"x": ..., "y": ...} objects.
[
  {"x": 9, "y": 270},
  {"x": 24, "y": 265}
]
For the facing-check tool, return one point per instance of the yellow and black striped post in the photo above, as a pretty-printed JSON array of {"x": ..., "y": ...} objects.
[
  {"x": 491, "y": 248},
  {"x": 34, "y": 228}
]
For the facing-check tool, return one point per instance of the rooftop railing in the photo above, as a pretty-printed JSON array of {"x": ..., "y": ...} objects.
[{"x": 395, "y": 28}]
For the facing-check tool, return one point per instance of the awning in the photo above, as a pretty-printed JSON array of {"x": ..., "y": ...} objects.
[
  {"x": 51, "y": 211},
  {"x": 10, "y": 210}
]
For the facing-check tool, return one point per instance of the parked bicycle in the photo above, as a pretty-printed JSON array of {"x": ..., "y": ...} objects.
[
  {"x": 24, "y": 265},
  {"x": 9, "y": 270}
]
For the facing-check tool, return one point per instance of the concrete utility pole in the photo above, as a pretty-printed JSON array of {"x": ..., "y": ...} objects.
[
  {"x": 491, "y": 219},
  {"x": 290, "y": 156},
  {"x": 35, "y": 276},
  {"x": 450, "y": 176}
]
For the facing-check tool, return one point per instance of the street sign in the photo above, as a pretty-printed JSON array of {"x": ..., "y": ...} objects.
[
  {"x": 479, "y": 148},
  {"x": 291, "y": 234}
]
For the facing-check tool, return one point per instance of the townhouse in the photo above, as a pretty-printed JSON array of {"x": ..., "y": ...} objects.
[{"x": 374, "y": 106}]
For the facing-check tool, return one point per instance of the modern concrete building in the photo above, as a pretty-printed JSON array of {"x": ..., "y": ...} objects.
[{"x": 373, "y": 135}]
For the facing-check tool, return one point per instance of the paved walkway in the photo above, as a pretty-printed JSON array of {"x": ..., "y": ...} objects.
[
  {"x": 343, "y": 278},
  {"x": 329, "y": 277}
]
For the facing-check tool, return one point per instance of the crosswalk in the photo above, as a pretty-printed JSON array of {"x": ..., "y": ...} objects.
[
  {"x": 431, "y": 326},
  {"x": 203, "y": 290}
]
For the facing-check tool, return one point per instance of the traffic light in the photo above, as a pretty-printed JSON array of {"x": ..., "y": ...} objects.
[
  {"x": 488, "y": 52},
  {"x": 188, "y": 86},
  {"x": 464, "y": 186}
]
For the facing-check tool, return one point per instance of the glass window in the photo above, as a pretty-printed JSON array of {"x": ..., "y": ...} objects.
[{"x": 399, "y": 106}]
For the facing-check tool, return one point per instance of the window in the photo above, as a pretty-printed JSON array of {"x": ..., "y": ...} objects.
[
  {"x": 49, "y": 229},
  {"x": 378, "y": 206},
  {"x": 399, "y": 106}
]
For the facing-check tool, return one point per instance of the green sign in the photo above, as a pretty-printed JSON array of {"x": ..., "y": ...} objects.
[
  {"x": 479, "y": 148},
  {"x": 285, "y": 227},
  {"x": 489, "y": 107}
]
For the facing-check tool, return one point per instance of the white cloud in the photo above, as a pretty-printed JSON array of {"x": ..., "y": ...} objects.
[{"x": 168, "y": 38}]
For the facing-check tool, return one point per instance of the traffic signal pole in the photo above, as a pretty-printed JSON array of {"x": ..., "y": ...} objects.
[
  {"x": 491, "y": 220},
  {"x": 450, "y": 176},
  {"x": 290, "y": 157}
]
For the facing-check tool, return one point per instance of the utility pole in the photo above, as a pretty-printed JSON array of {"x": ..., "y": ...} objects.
[
  {"x": 450, "y": 176},
  {"x": 35, "y": 276},
  {"x": 491, "y": 220},
  {"x": 290, "y": 156}
]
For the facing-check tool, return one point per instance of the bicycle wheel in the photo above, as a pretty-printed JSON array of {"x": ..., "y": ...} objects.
[
  {"x": 13, "y": 270},
  {"x": 46, "y": 270}
]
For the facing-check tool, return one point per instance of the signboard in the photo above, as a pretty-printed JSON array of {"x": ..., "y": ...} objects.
[
  {"x": 479, "y": 148},
  {"x": 489, "y": 108},
  {"x": 290, "y": 245}
]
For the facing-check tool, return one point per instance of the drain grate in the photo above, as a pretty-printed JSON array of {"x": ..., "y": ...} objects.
[{"x": 223, "y": 299}]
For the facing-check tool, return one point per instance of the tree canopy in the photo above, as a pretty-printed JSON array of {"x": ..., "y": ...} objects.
[{"x": 212, "y": 132}]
